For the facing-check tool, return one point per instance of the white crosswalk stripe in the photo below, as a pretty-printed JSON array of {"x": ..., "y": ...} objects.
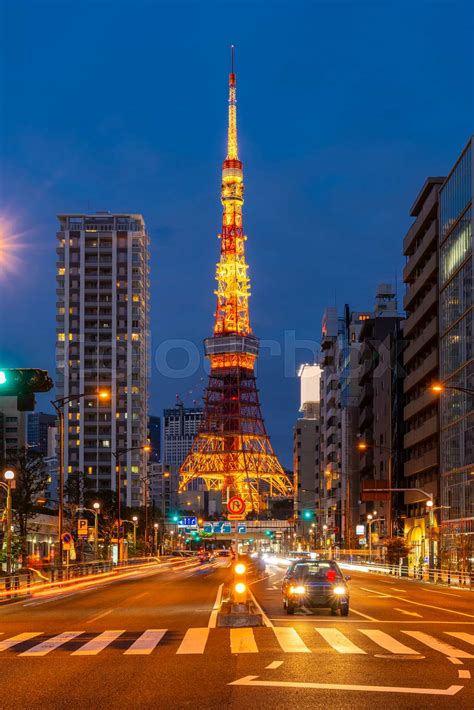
[
  {"x": 145, "y": 644},
  {"x": 289, "y": 640},
  {"x": 242, "y": 641},
  {"x": 95, "y": 646},
  {"x": 438, "y": 645},
  {"x": 194, "y": 641},
  {"x": 47, "y": 646},
  {"x": 339, "y": 642},
  {"x": 387, "y": 642},
  {"x": 20, "y": 638}
]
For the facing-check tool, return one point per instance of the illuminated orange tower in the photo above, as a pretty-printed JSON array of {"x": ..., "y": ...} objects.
[{"x": 232, "y": 451}]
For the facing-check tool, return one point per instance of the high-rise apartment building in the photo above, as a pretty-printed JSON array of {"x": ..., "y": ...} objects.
[
  {"x": 102, "y": 342},
  {"x": 154, "y": 434},
  {"x": 13, "y": 429},
  {"x": 180, "y": 426},
  {"x": 306, "y": 442},
  {"x": 41, "y": 432},
  {"x": 456, "y": 327},
  {"x": 421, "y": 364}
]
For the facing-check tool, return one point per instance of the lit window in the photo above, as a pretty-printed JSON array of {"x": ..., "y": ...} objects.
[
  {"x": 89, "y": 469},
  {"x": 135, "y": 336},
  {"x": 71, "y": 336},
  {"x": 61, "y": 337},
  {"x": 106, "y": 443},
  {"x": 78, "y": 442},
  {"x": 61, "y": 271},
  {"x": 136, "y": 298}
]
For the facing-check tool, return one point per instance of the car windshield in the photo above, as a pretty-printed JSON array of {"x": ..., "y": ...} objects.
[{"x": 315, "y": 568}]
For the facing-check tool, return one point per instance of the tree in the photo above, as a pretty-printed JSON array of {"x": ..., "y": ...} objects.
[
  {"x": 396, "y": 548},
  {"x": 31, "y": 479}
]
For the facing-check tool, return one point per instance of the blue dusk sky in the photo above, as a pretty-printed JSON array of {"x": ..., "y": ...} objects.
[{"x": 344, "y": 108}]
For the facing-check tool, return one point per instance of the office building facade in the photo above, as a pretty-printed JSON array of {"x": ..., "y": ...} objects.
[
  {"x": 102, "y": 343},
  {"x": 42, "y": 429}
]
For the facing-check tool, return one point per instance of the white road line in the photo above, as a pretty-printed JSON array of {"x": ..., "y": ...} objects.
[
  {"x": 289, "y": 640},
  {"x": 339, "y": 642},
  {"x": 97, "y": 644},
  {"x": 321, "y": 619},
  {"x": 273, "y": 665},
  {"x": 265, "y": 618},
  {"x": 430, "y": 606},
  {"x": 387, "y": 642},
  {"x": 194, "y": 641},
  {"x": 437, "y": 645},
  {"x": 408, "y": 613},
  {"x": 146, "y": 643},
  {"x": 215, "y": 609},
  {"x": 360, "y": 613},
  {"x": 461, "y": 635},
  {"x": 8, "y": 643},
  {"x": 47, "y": 646},
  {"x": 100, "y": 616},
  {"x": 455, "y": 661},
  {"x": 251, "y": 680},
  {"x": 137, "y": 596},
  {"x": 374, "y": 591},
  {"x": 464, "y": 674},
  {"x": 242, "y": 641}
]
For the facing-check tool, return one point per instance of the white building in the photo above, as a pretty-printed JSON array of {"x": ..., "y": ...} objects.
[{"x": 102, "y": 343}]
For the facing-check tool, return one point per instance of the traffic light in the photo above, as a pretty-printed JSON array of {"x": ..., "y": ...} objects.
[
  {"x": 174, "y": 518},
  {"x": 307, "y": 514},
  {"x": 23, "y": 383}
]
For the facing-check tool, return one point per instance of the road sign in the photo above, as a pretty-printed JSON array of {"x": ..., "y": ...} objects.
[
  {"x": 360, "y": 529},
  {"x": 208, "y": 528},
  {"x": 67, "y": 540},
  {"x": 236, "y": 505},
  {"x": 187, "y": 522},
  {"x": 235, "y": 516},
  {"x": 226, "y": 528},
  {"x": 241, "y": 528},
  {"x": 82, "y": 527}
]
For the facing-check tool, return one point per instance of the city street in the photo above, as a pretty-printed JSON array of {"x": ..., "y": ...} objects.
[{"x": 152, "y": 641}]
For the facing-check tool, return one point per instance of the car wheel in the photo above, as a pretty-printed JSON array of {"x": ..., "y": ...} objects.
[
  {"x": 345, "y": 610},
  {"x": 290, "y": 609}
]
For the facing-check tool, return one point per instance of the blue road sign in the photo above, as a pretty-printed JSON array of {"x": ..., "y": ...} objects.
[
  {"x": 226, "y": 527},
  {"x": 217, "y": 527},
  {"x": 188, "y": 522},
  {"x": 241, "y": 528},
  {"x": 208, "y": 528}
]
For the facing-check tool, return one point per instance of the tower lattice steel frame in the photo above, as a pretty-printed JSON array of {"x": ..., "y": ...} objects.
[{"x": 232, "y": 451}]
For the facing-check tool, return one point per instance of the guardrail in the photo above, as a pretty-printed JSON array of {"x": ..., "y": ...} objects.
[
  {"x": 34, "y": 582},
  {"x": 421, "y": 573}
]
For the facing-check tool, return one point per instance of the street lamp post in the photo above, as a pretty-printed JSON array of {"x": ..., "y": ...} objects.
[
  {"x": 431, "y": 511},
  {"x": 363, "y": 446},
  {"x": 59, "y": 405},
  {"x": 9, "y": 476},
  {"x": 135, "y": 523},
  {"x": 155, "y": 540},
  {"x": 96, "y": 507},
  {"x": 117, "y": 454},
  {"x": 370, "y": 521}
]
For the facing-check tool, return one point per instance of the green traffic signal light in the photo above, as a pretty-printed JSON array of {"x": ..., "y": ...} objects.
[
  {"x": 3, "y": 377},
  {"x": 175, "y": 518},
  {"x": 307, "y": 514}
]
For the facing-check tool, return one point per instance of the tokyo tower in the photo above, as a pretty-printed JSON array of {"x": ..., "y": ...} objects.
[{"x": 232, "y": 451}]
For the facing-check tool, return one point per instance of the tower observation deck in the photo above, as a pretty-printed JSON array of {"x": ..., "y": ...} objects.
[{"x": 232, "y": 451}]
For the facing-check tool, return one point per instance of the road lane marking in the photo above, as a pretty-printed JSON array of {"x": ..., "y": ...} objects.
[
  {"x": 100, "y": 616},
  {"x": 430, "y": 606},
  {"x": 408, "y": 613},
  {"x": 289, "y": 640},
  {"x": 194, "y": 641},
  {"x": 360, "y": 613},
  {"x": 137, "y": 596},
  {"x": 462, "y": 636},
  {"x": 455, "y": 661},
  {"x": 96, "y": 645},
  {"x": 437, "y": 645},
  {"x": 215, "y": 609},
  {"x": 242, "y": 641},
  {"x": 374, "y": 591},
  {"x": 395, "y": 589},
  {"x": 387, "y": 642},
  {"x": 339, "y": 642},
  {"x": 146, "y": 643},
  {"x": 47, "y": 646},
  {"x": 265, "y": 618},
  {"x": 14, "y": 640},
  {"x": 251, "y": 680},
  {"x": 464, "y": 674},
  {"x": 274, "y": 664}
]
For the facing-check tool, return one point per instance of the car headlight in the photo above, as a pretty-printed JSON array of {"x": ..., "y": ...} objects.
[
  {"x": 339, "y": 590},
  {"x": 298, "y": 590}
]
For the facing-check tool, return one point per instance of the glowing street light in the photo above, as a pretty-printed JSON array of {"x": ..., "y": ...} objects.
[{"x": 9, "y": 477}]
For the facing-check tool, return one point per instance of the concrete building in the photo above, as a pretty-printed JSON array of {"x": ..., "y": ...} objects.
[
  {"x": 421, "y": 363},
  {"x": 306, "y": 441},
  {"x": 380, "y": 413},
  {"x": 102, "y": 342},
  {"x": 42, "y": 429},
  {"x": 456, "y": 327},
  {"x": 180, "y": 426},
  {"x": 163, "y": 489},
  {"x": 13, "y": 428}
]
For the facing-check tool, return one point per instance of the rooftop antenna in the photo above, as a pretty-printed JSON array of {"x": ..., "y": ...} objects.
[{"x": 232, "y": 59}]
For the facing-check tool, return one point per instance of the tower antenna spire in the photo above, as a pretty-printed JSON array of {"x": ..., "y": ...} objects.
[{"x": 232, "y": 59}]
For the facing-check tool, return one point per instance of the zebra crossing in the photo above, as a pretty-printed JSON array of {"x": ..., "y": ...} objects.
[{"x": 202, "y": 640}]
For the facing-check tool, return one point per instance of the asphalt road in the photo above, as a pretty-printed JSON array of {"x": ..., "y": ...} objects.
[{"x": 151, "y": 641}]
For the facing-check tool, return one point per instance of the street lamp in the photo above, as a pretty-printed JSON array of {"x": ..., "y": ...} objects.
[
  {"x": 370, "y": 521},
  {"x": 9, "y": 476},
  {"x": 135, "y": 523},
  {"x": 96, "y": 507},
  {"x": 431, "y": 510},
  {"x": 117, "y": 454},
  {"x": 439, "y": 387},
  {"x": 59, "y": 405},
  {"x": 155, "y": 525}
]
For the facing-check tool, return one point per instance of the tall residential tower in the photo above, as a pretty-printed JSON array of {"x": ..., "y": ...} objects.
[{"x": 102, "y": 342}]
